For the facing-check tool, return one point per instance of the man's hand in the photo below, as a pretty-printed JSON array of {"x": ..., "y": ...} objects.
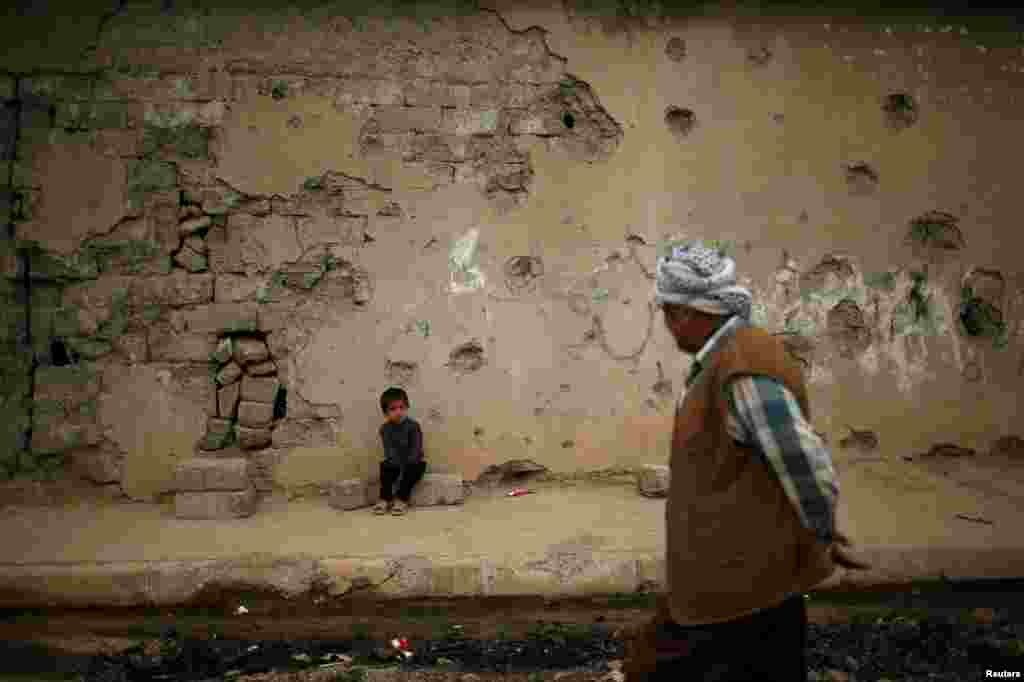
[{"x": 842, "y": 556}]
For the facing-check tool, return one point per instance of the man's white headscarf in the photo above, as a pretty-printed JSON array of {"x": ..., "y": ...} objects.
[{"x": 699, "y": 277}]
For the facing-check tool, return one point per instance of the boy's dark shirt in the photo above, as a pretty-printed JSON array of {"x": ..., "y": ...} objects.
[{"x": 403, "y": 442}]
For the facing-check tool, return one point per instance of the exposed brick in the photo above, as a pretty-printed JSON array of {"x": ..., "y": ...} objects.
[
  {"x": 398, "y": 119},
  {"x": 250, "y": 350},
  {"x": 261, "y": 368},
  {"x": 227, "y": 400},
  {"x": 61, "y": 88},
  {"x": 92, "y": 115},
  {"x": 216, "y": 505},
  {"x": 255, "y": 414},
  {"x": 235, "y": 288},
  {"x": 260, "y": 389},
  {"x": 213, "y": 84},
  {"x": 211, "y": 473},
  {"x": 251, "y": 439},
  {"x": 99, "y": 465},
  {"x": 471, "y": 121},
  {"x": 218, "y": 434},
  {"x": 366, "y": 91},
  {"x": 224, "y": 248},
  {"x": 422, "y": 92},
  {"x": 229, "y": 374},
  {"x": 179, "y": 288},
  {"x": 222, "y": 318},
  {"x": 167, "y": 346},
  {"x": 118, "y": 143}
]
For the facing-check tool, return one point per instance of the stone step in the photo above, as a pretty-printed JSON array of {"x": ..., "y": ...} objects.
[
  {"x": 432, "y": 490},
  {"x": 220, "y": 504},
  {"x": 203, "y": 474}
]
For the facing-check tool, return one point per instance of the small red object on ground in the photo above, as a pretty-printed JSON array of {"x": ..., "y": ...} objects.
[{"x": 516, "y": 492}]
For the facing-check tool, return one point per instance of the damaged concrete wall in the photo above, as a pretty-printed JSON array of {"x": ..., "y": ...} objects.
[{"x": 231, "y": 229}]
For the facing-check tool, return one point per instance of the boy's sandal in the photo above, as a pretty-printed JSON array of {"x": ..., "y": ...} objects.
[
  {"x": 380, "y": 508},
  {"x": 399, "y": 508}
]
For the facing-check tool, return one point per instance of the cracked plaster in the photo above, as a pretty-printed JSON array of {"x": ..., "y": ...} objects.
[{"x": 577, "y": 214}]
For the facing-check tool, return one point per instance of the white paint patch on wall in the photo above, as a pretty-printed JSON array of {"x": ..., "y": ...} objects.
[{"x": 465, "y": 273}]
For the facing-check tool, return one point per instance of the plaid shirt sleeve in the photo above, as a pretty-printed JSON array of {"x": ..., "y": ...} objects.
[{"x": 767, "y": 416}]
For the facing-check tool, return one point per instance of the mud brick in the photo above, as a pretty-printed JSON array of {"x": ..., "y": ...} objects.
[
  {"x": 216, "y": 505},
  {"x": 255, "y": 414},
  {"x": 260, "y": 389},
  {"x": 251, "y": 439},
  {"x": 249, "y": 351},
  {"x": 422, "y": 92},
  {"x": 261, "y": 368},
  {"x": 223, "y": 352},
  {"x": 397, "y": 119},
  {"x": 68, "y": 87},
  {"x": 229, "y": 374},
  {"x": 167, "y": 346},
  {"x": 179, "y": 288},
  {"x": 211, "y": 473},
  {"x": 471, "y": 121},
  {"x": 218, "y": 434},
  {"x": 348, "y": 495},
  {"x": 222, "y": 318},
  {"x": 99, "y": 465},
  {"x": 227, "y": 400}
]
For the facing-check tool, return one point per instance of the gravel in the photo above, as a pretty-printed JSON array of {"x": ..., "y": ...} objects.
[{"x": 933, "y": 648}]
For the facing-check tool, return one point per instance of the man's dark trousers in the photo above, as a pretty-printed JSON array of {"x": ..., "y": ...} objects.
[
  {"x": 407, "y": 476},
  {"x": 769, "y": 645}
]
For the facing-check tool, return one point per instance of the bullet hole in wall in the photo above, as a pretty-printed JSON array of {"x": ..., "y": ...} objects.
[
  {"x": 861, "y": 178},
  {"x": 467, "y": 357},
  {"x": 401, "y": 373},
  {"x": 817, "y": 277},
  {"x": 759, "y": 56},
  {"x": 936, "y": 229},
  {"x": 847, "y": 328},
  {"x": 901, "y": 110},
  {"x": 521, "y": 271},
  {"x": 568, "y": 120},
  {"x": 675, "y": 49},
  {"x": 512, "y": 471},
  {"x": 680, "y": 121},
  {"x": 59, "y": 356},
  {"x": 865, "y": 441}
]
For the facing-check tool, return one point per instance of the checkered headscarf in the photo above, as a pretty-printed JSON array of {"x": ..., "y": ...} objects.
[{"x": 699, "y": 277}]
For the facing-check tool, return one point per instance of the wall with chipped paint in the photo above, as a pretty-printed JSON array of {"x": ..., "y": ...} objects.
[{"x": 471, "y": 205}]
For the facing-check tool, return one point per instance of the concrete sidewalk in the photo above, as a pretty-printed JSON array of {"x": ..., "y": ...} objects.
[{"x": 563, "y": 540}]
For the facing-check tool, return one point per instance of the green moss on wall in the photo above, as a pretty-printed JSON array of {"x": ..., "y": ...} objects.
[
  {"x": 981, "y": 319},
  {"x": 189, "y": 141},
  {"x": 147, "y": 175}
]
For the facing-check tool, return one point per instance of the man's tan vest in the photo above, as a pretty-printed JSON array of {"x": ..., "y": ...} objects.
[{"x": 735, "y": 542}]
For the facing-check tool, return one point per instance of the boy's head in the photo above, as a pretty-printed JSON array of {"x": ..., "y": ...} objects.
[{"x": 394, "y": 403}]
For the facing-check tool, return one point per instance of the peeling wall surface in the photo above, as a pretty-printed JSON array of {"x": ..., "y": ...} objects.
[{"x": 229, "y": 230}]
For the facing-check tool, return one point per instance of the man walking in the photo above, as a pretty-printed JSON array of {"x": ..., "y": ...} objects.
[{"x": 750, "y": 515}]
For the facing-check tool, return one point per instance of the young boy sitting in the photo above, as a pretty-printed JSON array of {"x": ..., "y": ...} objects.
[{"x": 403, "y": 452}]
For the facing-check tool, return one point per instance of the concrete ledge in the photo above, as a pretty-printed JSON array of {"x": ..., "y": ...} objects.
[{"x": 565, "y": 571}]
